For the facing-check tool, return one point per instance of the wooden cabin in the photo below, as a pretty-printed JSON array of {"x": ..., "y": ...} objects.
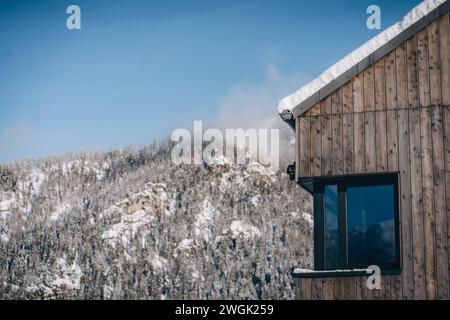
[{"x": 373, "y": 148}]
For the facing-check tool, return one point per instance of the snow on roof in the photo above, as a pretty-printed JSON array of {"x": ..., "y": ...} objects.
[
  {"x": 352, "y": 59},
  {"x": 308, "y": 271}
]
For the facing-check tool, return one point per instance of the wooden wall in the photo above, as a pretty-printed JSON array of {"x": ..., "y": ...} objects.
[{"x": 393, "y": 116}]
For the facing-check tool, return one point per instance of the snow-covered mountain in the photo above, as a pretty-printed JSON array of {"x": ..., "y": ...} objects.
[{"x": 130, "y": 224}]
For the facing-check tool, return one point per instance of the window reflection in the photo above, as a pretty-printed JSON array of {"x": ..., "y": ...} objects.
[
  {"x": 370, "y": 224},
  {"x": 331, "y": 227}
]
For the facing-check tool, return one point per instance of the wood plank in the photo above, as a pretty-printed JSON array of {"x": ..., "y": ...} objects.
[
  {"x": 391, "y": 85},
  {"x": 337, "y": 132},
  {"x": 401, "y": 76},
  {"x": 380, "y": 150},
  {"x": 424, "y": 72},
  {"x": 396, "y": 288},
  {"x": 327, "y": 170},
  {"x": 385, "y": 292},
  {"x": 444, "y": 50},
  {"x": 315, "y": 167},
  {"x": 358, "y": 138},
  {"x": 347, "y": 122},
  {"x": 446, "y": 125},
  {"x": 405, "y": 205},
  {"x": 339, "y": 289},
  {"x": 392, "y": 166},
  {"x": 316, "y": 110},
  {"x": 316, "y": 146},
  {"x": 316, "y": 289},
  {"x": 305, "y": 289},
  {"x": 392, "y": 140},
  {"x": 327, "y": 143},
  {"x": 434, "y": 63},
  {"x": 336, "y": 102},
  {"x": 446, "y": 114},
  {"x": 304, "y": 171},
  {"x": 304, "y": 151},
  {"x": 297, "y": 289},
  {"x": 338, "y": 156},
  {"x": 411, "y": 66},
  {"x": 416, "y": 204},
  {"x": 350, "y": 288},
  {"x": 381, "y": 141},
  {"x": 380, "y": 85},
  {"x": 369, "y": 89},
  {"x": 361, "y": 288},
  {"x": 381, "y": 166},
  {"x": 358, "y": 94},
  {"x": 347, "y": 97},
  {"x": 347, "y": 125},
  {"x": 338, "y": 168},
  {"x": 428, "y": 199},
  {"x": 326, "y": 106},
  {"x": 369, "y": 135},
  {"x": 439, "y": 191},
  {"x": 369, "y": 118},
  {"x": 327, "y": 293}
]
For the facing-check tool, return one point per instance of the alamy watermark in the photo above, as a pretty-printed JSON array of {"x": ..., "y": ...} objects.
[
  {"x": 374, "y": 20},
  {"x": 374, "y": 280},
  {"x": 73, "y": 21},
  {"x": 239, "y": 144}
]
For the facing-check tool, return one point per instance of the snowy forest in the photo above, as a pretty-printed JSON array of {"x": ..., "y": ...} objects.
[{"x": 130, "y": 224}]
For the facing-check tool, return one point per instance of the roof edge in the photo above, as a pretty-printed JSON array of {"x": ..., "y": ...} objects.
[{"x": 379, "y": 53}]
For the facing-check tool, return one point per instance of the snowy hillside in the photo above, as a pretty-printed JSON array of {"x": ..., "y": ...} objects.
[{"x": 131, "y": 225}]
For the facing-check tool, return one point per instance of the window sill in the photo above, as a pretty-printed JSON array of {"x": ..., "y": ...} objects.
[{"x": 310, "y": 274}]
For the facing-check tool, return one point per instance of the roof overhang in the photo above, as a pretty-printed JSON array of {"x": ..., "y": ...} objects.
[{"x": 368, "y": 60}]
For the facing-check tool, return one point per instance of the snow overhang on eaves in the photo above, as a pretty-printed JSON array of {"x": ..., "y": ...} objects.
[{"x": 340, "y": 73}]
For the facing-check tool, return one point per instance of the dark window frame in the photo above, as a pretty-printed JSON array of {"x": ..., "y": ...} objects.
[{"x": 343, "y": 182}]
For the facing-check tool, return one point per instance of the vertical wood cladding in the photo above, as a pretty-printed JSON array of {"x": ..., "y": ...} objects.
[{"x": 393, "y": 116}]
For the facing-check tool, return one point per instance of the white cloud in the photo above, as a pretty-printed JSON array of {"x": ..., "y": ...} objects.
[{"x": 254, "y": 105}]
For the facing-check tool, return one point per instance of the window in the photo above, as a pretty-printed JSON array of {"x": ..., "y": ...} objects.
[
  {"x": 356, "y": 221},
  {"x": 331, "y": 227}
]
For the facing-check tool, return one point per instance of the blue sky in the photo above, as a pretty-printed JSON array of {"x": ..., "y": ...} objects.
[{"x": 139, "y": 69}]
